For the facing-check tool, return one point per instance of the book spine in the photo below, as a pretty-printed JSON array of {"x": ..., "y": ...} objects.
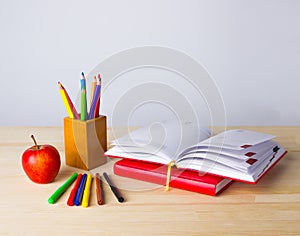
[{"x": 159, "y": 178}]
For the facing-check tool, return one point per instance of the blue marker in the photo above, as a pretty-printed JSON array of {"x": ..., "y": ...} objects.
[{"x": 79, "y": 193}]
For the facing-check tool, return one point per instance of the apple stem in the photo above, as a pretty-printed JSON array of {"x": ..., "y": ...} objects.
[{"x": 36, "y": 145}]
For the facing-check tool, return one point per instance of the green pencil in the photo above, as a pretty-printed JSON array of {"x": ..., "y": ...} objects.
[
  {"x": 56, "y": 195},
  {"x": 83, "y": 102}
]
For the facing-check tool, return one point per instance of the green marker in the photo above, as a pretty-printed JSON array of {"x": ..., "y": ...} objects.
[{"x": 56, "y": 195}]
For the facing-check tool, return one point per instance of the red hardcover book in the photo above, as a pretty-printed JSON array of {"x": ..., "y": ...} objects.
[{"x": 182, "y": 179}]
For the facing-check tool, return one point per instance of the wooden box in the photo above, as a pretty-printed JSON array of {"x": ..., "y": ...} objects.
[{"x": 85, "y": 142}]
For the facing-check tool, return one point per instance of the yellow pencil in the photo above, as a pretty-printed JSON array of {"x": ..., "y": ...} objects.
[
  {"x": 87, "y": 190},
  {"x": 65, "y": 100}
]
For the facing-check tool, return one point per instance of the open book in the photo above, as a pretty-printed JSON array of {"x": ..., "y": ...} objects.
[{"x": 236, "y": 154}]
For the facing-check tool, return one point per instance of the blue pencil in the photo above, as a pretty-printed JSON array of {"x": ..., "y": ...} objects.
[{"x": 98, "y": 102}]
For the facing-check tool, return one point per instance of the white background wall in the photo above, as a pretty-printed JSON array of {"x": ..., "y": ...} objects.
[{"x": 251, "y": 48}]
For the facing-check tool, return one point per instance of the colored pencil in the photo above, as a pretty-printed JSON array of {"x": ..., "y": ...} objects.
[
  {"x": 97, "y": 110},
  {"x": 83, "y": 102},
  {"x": 92, "y": 113},
  {"x": 94, "y": 83},
  {"x": 69, "y": 101},
  {"x": 65, "y": 100}
]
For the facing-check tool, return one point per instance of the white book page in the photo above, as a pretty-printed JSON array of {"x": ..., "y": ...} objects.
[
  {"x": 224, "y": 171},
  {"x": 142, "y": 156},
  {"x": 251, "y": 175},
  {"x": 236, "y": 139},
  {"x": 167, "y": 138},
  {"x": 234, "y": 163},
  {"x": 236, "y": 159},
  {"x": 267, "y": 164},
  {"x": 213, "y": 158},
  {"x": 243, "y": 154},
  {"x": 135, "y": 151}
]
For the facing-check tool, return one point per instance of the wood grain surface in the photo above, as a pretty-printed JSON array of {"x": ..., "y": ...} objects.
[{"x": 272, "y": 207}]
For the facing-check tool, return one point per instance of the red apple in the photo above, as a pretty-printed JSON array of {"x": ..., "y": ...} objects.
[{"x": 41, "y": 163}]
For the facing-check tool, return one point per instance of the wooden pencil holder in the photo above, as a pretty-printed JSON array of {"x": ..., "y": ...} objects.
[{"x": 85, "y": 142}]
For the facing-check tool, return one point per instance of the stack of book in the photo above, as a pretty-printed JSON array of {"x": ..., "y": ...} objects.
[{"x": 186, "y": 156}]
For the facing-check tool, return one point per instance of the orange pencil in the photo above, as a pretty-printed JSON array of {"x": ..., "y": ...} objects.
[{"x": 94, "y": 83}]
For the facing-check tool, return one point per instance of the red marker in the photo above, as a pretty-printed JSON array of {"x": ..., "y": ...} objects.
[{"x": 74, "y": 190}]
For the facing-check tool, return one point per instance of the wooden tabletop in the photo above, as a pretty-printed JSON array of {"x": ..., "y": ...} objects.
[{"x": 272, "y": 207}]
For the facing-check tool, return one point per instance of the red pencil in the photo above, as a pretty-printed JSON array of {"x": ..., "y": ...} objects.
[{"x": 74, "y": 190}]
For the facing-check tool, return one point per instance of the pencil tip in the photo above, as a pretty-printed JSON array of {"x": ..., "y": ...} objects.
[{"x": 82, "y": 73}]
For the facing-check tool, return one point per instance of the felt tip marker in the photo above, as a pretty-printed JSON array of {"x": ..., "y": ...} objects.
[
  {"x": 99, "y": 190},
  {"x": 56, "y": 195},
  {"x": 71, "y": 198},
  {"x": 79, "y": 193},
  {"x": 87, "y": 191},
  {"x": 113, "y": 188}
]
